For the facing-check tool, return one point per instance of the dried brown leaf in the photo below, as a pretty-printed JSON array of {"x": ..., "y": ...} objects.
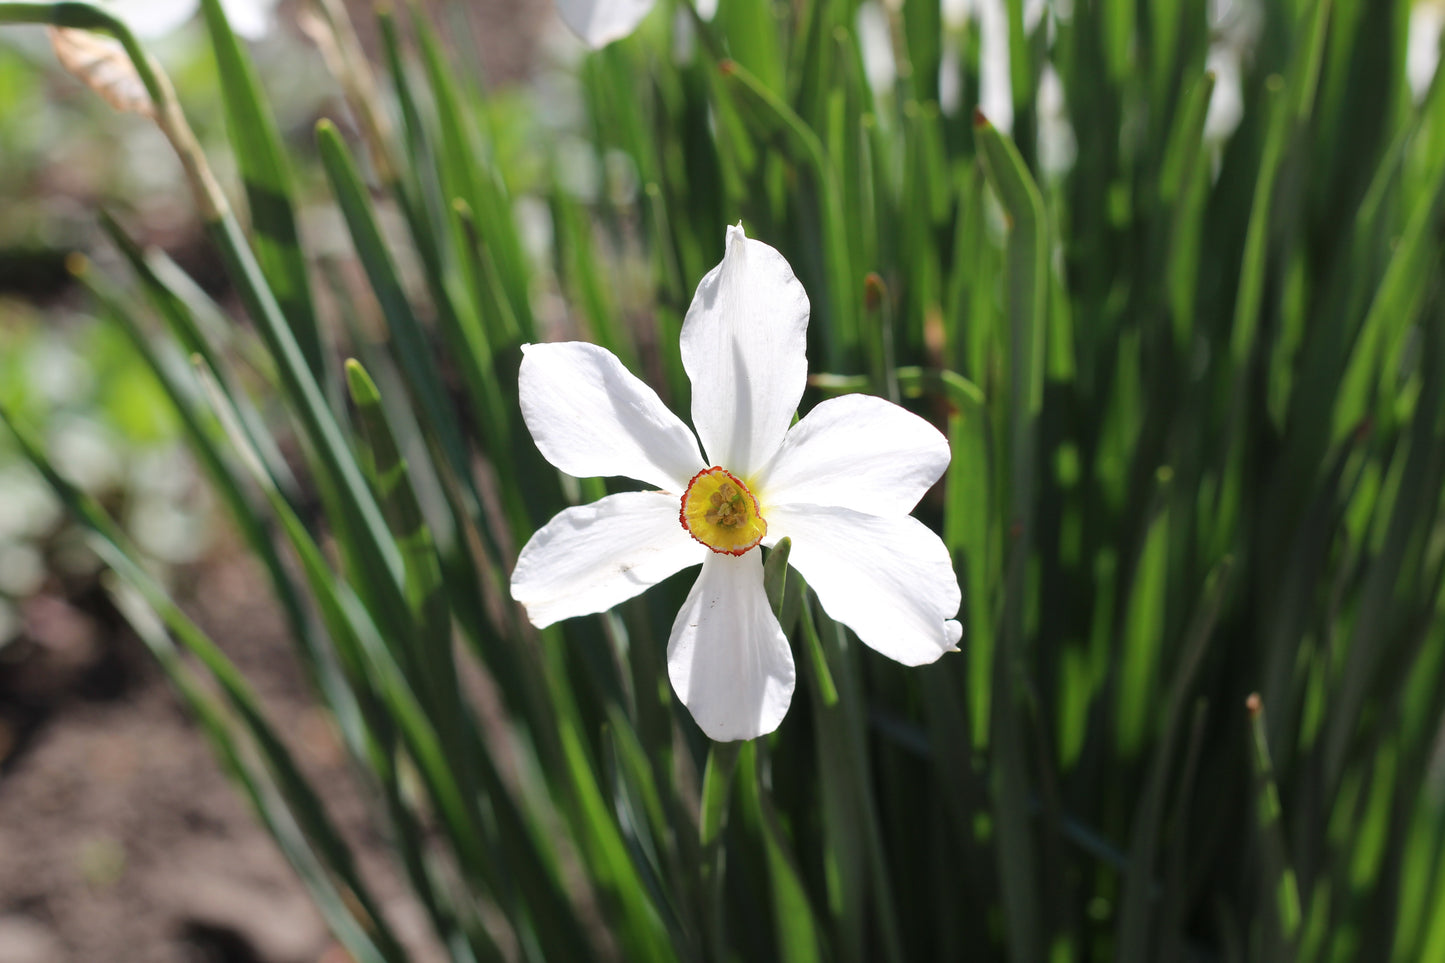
[{"x": 102, "y": 65}]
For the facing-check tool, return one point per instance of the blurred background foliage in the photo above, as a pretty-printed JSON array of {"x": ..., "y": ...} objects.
[{"x": 1164, "y": 270}]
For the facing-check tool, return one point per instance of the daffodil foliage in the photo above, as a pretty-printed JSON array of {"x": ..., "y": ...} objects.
[{"x": 1103, "y": 342}]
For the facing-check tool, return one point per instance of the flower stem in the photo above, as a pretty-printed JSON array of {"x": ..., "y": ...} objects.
[{"x": 717, "y": 779}]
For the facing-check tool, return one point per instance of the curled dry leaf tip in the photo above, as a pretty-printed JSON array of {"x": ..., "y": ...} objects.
[{"x": 102, "y": 65}]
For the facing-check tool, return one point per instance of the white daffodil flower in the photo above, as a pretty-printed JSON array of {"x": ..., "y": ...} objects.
[{"x": 840, "y": 483}]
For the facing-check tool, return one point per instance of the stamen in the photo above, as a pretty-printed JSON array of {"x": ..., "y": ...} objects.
[{"x": 720, "y": 512}]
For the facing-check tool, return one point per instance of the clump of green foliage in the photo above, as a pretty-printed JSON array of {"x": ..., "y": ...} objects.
[{"x": 1195, "y": 388}]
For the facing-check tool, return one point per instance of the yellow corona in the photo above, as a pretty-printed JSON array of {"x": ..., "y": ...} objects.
[{"x": 720, "y": 512}]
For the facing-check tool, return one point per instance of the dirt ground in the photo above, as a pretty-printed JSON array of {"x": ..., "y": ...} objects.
[{"x": 120, "y": 839}]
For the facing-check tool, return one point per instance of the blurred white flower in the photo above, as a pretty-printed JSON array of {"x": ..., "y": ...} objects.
[
  {"x": 599, "y": 22},
  {"x": 56, "y": 372},
  {"x": 995, "y": 93},
  {"x": 1236, "y": 26},
  {"x": 156, "y": 18},
  {"x": 166, "y": 529},
  {"x": 22, "y": 569},
  {"x": 950, "y": 78},
  {"x": 86, "y": 453},
  {"x": 1057, "y": 145},
  {"x": 876, "y": 40},
  {"x": 1226, "y": 104},
  {"x": 1422, "y": 54},
  {"x": 29, "y": 509},
  {"x": 151, "y": 18},
  {"x": 840, "y": 484},
  {"x": 995, "y": 86}
]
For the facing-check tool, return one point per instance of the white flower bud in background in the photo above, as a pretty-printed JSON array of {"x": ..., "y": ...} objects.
[
  {"x": 156, "y": 18},
  {"x": 1422, "y": 55}
]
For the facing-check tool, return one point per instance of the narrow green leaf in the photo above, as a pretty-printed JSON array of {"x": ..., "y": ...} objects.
[
  {"x": 775, "y": 574},
  {"x": 226, "y": 741},
  {"x": 430, "y": 650},
  {"x": 1134, "y": 917},
  {"x": 116, "y": 552},
  {"x": 1256, "y": 253},
  {"x": 785, "y": 605},
  {"x": 1026, "y": 298},
  {"x": 468, "y": 173},
  {"x": 1393, "y": 311},
  {"x": 267, "y": 179},
  {"x": 794, "y": 923},
  {"x": 185, "y": 315},
  {"x": 1185, "y": 147},
  {"x": 772, "y": 117},
  {"x": 1143, "y": 641},
  {"x": 1280, "y": 889},
  {"x": 423, "y": 379}
]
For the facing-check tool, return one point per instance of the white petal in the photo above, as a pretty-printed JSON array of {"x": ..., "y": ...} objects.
[
  {"x": 599, "y": 22},
  {"x": 875, "y": 43},
  {"x": 728, "y": 659},
  {"x": 995, "y": 86},
  {"x": 857, "y": 452},
  {"x": 591, "y": 557},
  {"x": 591, "y": 416},
  {"x": 890, "y": 580},
  {"x": 250, "y": 18},
  {"x": 151, "y": 18},
  {"x": 1422, "y": 51},
  {"x": 1226, "y": 104},
  {"x": 744, "y": 345}
]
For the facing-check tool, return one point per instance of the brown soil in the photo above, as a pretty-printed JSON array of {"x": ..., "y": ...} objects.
[{"x": 120, "y": 840}]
